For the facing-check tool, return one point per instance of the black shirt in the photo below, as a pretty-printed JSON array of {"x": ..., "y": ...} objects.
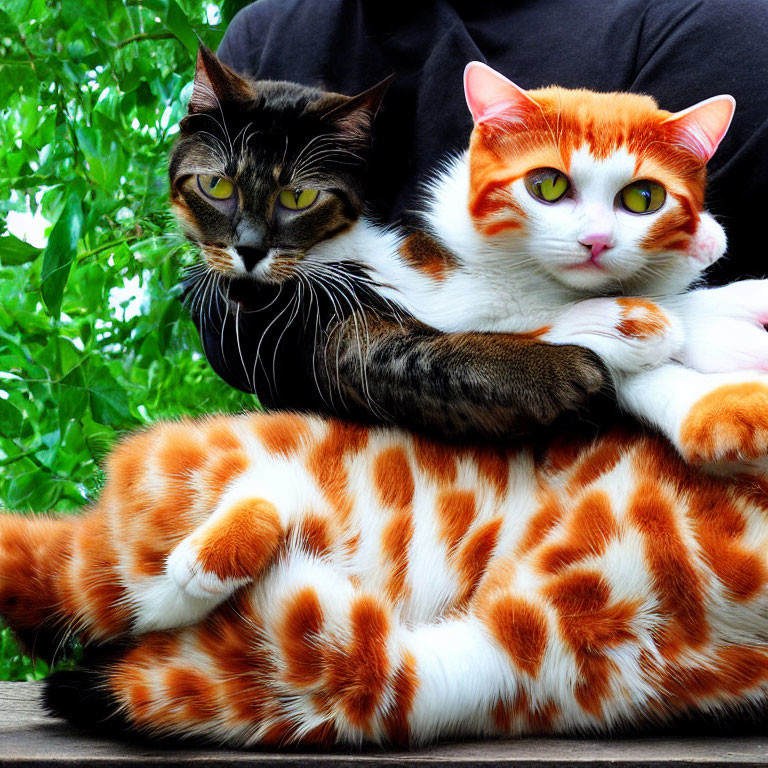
[{"x": 679, "y": 51}]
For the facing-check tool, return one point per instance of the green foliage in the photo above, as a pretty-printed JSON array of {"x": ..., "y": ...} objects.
[
  {"x": 17, "y": 665},
  {"x": 90, "y": 94}
]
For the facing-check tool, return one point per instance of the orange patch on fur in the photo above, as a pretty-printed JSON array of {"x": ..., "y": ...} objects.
[
  {"x": 102, "y": 596},
  {"x": 405, "y": 684},
  {"x": 542, "y": 522},
  {"x": 473, "y": 558},
  {"x": 597, "y": 462},
  {"x": 734, "y": 671},
  {"x": 562, "y": 454},
  {"x": 589, "y": 530},
  {"x": 396, "y": 540},
  {"x": 326, "y": 463},
  {"x": 139, "y": 701},
  {"x": 589, "y": 625},
  {"x": 672, "y": 231},
  {"x": 423, "y": 253},
  {"x": 436, "y": 460},
  {"x": 536, "y": 333},
  {"x": 222, "y": 471},
  {"x": 520, "y": 628},
  {"x": 34, "y": 592},
  {"x": 729, "y": 423},
  {"x": 127, "y": 464},
  {"x": 393, "y": 479},
  {"x": 506, "y": 712},
  {"x": 314, "y": 534},
  {"x": 281, "y": 434},
  {"x": 490, "y": 198},
  {"x": 497, "y": 227},
  {"x": 675, "y": 578},
  {"x": 242, "y": 541},
  {"x": 187, "y": 688},
  {"x": 360, "y": 672},
  {"x": 279, "y": 733},
  {"x": 542, "y": 718},
  {"x": 720, "y": 528},
  {"x": 180, "y": 451},
  {"x": 220, "y": 435},
  {"x": 492, "y": 467},
  {"x": 456, "y": 511},
  {"x": 640, "y": 318},
  {"x": 322, "y": 736},
  {"x": 298, "y": 633}
]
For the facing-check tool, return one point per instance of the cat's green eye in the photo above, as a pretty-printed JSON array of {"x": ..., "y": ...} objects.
[
  {"x": 642, "y": 196},
  {"x": 215, "y": 187},
  {"x": 298, "y": 199},
  {"x": 547, "y": 184}
]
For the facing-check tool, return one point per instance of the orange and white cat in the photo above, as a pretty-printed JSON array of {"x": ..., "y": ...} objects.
[
  {"x": 577, "y": 217},
  {"x": 392, "y": 589}
]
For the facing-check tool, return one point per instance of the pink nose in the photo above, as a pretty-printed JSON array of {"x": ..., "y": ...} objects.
[{"x": 597, "y": 241}]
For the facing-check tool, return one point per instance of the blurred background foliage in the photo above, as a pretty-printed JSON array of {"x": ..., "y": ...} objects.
[{"x": 93, "y": 338}]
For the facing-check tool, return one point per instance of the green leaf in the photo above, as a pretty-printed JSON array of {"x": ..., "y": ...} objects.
[
  {"x": 60, "y": 252},
  {"x": 72, "y": 397},
  {"x": 33, "y": 490},
  {"x": 14, "y": 251},
  {"x": 99, "y": 438},
  {"x": 10, "y": 419},
  {"x": 180, "y": 26},
  {"x": 109, "y": 401}
]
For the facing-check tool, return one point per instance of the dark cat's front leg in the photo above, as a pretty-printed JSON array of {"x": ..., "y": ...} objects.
[{"x": 454, "y": 384}]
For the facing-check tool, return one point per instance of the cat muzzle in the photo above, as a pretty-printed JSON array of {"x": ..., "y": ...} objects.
[{"x": 250, "y": 256}]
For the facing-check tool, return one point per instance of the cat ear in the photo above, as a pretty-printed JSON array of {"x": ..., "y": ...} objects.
[
  {"x": 215, "y": 83},
  {"x": 490, "y": 94},
  {"x": 356, "y": 113},
  {"x": 701, "y": 128}
]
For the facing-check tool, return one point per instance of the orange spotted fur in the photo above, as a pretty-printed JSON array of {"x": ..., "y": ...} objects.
[{"x": 403, "y": 590}]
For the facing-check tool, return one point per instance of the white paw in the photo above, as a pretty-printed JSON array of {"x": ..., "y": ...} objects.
[
  {"x": 725, "y": 328},
  {"x": 186, "y": 571},
  {"x": 709, "y": 242},
  {"x": 629, "y": 334}
]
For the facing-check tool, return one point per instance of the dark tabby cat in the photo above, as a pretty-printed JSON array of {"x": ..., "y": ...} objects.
[{"x": 263, "y": 173}]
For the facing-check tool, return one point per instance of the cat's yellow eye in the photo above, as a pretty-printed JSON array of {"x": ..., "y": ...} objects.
[
  {"x": 547, "y": 184},
  {"x": 642, "y": 196},
  {"x": 216, "y": 187},
  {"x": 298, "y": 199}
]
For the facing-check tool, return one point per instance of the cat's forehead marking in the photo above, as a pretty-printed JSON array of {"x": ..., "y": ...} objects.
[{"x": 588, "y": 168}]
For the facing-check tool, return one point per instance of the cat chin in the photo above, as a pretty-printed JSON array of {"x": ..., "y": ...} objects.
[{"x": 587, "y": 278}]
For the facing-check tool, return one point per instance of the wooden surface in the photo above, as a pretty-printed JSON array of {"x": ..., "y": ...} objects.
[{"x": 29, "y": 738}]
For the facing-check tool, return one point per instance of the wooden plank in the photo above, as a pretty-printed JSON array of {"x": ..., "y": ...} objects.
[{"x": 29, "y": 738}]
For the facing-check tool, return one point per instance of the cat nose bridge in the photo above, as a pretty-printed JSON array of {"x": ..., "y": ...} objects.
[
  {"x": 250, "y": 244},
  {"x": 598, "y": 227}
]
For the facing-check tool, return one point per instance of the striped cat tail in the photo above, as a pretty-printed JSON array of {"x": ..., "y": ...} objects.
[
  {"x": 34, "y": 551},
  {"x": 57, "y": 577}
]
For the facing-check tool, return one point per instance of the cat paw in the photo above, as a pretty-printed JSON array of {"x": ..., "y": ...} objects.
[
  {"x": 578, "y": 376},
  {"x": 188, "y": 573},
  {"x": 725, "y": 328},
  {"x": 728, "y": 424},
  {"x": 629, "y": 334},
  {"x": 709, "y": 242},
  {"x": 229, "y": 550}
]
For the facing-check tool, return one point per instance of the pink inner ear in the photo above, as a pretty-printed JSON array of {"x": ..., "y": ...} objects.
[
  {"x": 490, "y": 94},
  {"x": 702, "y": 127}
]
